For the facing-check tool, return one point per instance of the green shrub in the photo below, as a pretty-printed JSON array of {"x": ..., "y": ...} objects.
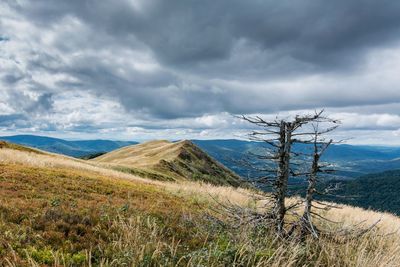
[{"x": 43, "y": 255}]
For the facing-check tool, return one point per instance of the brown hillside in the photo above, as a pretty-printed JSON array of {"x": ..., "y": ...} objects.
[{"x": 178, "y": 161}]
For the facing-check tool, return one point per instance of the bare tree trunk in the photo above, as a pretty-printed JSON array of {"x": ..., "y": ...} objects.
[
  {"x": 306, "y": 223},
  {"x": 282, "y": 176}
]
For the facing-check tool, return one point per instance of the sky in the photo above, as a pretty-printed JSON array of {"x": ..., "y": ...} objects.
[{"x": 158, "y": 69}]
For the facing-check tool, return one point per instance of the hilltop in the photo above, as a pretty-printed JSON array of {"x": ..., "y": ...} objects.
[
  {"x": 60, "y": 211},
  {"x": 174, "y": 160}
]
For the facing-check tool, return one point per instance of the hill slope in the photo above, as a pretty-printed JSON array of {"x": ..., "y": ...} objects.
[
  {"x": 377, "y": 191},
  {"x": 69, "y": 148},
  {"x": 8, "y": 145},
  {"x": 59, "y": 211},
  {"x": 180, "y": 160}
]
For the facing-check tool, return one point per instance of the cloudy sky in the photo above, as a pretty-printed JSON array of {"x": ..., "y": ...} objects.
[{"x": 145, "y": 69}]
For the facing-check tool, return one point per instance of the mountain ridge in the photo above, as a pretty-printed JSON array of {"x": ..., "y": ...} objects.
[{"x": 351, "y": 161}]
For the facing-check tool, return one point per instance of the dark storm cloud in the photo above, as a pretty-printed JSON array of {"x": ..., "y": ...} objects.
[
  {"x": 14, "y": 120},
  {"x": 212, "y": 39},
  {"x": 42, "y": 103},
  {"x": 4, "y": 39},
  {"x": 11, "y": 78},
  {"x": 325, "y": 33}
]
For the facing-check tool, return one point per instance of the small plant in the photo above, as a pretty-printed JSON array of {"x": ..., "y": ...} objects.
[
  {"x": 124, "y": 208},
  {"x": 43, "y": 255},
  {"x": 55, "y": 202}
]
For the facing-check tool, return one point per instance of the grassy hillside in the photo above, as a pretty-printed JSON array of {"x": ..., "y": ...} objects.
[
  {"x": 170, "y": 161},
  {"x": 7, "y": 145},
  {"x": 377, "y": 191},
  {"x": 60, "y": 211}
]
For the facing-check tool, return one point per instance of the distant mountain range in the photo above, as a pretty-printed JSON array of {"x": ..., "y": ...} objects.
[
  {"x": 351, "y": 161},
  {"x": 69, "y": 148}
]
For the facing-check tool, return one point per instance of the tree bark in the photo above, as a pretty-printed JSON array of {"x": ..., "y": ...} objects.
[
  {"x": 282, "y": 175},
  {"x": 306, "y": 223}
]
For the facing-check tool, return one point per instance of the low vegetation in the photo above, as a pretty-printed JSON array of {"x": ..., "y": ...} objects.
[
  {"x": 57, "y": 211},
  {"x": 164, "y": 160}
]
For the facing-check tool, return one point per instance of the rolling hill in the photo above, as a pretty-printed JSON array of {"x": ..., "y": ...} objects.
[
  {"x": 60, "y": 211},
  {"x": 176, "y": 160},
  {"x": 69, "y": 148},
  {"x": 7, "y": 145},
  {"x": 377, "y": 191}
]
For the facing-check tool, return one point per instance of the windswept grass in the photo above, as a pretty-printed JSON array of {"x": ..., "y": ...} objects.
[
  {"x": 142, "y": 155},
  {"x": 56, "y": 211},
  {"x": 69, "y": 212},
  {"x": 182, "y": 188},
  {"x": 7, "y": 145}
]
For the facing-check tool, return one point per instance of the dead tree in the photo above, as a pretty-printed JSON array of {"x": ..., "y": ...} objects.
[
  {"x": 280, "y": 135},
  {"x": 319, "y": 146},
  {"x": 281, "y": 161}
]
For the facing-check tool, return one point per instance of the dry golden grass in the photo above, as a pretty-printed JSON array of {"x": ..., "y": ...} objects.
[
  {"x": 182, "y": 188},
  {"x": 58, "y": 161},
  {"x": 5, "y": 145},
  {"x": 59, "y": 211},
  {"x": 163, "y": 160},
  {"x": 350, "y": 215},
  {"x": 143, "y": 155}
]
